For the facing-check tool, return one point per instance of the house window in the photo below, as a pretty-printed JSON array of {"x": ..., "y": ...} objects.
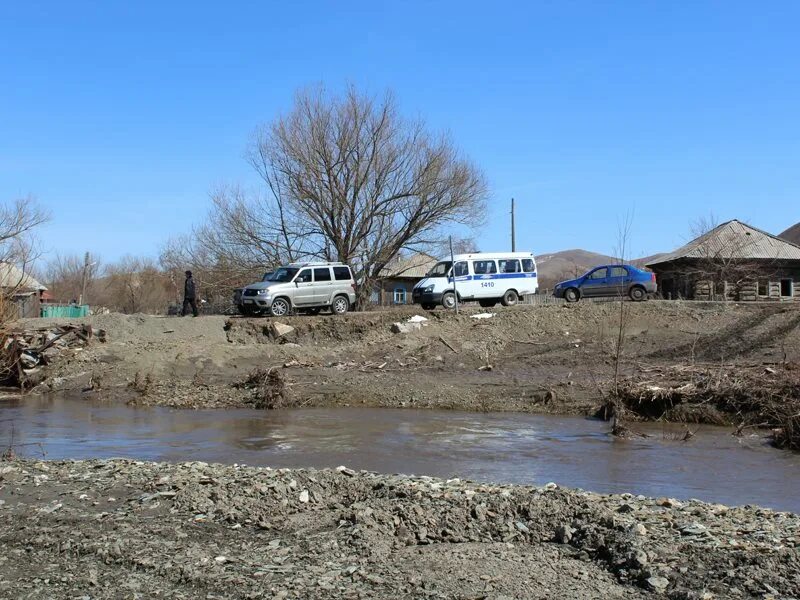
[
  {"x": 399, "y": 295},
  {"x": 763, "y": 287},
  {"x": 787, "y": 290}
]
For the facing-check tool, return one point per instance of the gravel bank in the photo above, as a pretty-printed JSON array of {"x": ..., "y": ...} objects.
[{"x": 122, "y": 529}]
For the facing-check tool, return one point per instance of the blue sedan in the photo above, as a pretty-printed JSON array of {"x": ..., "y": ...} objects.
[{"x": 609, "y": 281}]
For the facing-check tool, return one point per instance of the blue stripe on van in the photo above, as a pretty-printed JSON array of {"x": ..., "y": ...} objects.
[{"x": 491, "y": 276}]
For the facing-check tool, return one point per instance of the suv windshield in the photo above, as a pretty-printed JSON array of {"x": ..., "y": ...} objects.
[
  {"x": 267, "y": 276},
  {"x": 284, "y": 274},
  {"x": 440, "y": 269}
]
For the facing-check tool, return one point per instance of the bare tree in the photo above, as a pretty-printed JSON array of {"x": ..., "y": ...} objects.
[
  {"x": 135, "y": 284},
  {"x": 18, "y": 222},
  {"x": 722, "y": 264},
  {"x": 347, "y": 178},
  {"x": 64, "y": 275}
]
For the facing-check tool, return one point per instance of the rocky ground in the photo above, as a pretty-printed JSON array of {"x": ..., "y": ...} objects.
[{"x": 121, "y": 529}]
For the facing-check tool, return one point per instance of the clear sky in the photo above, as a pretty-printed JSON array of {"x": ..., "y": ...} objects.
[{"x": 121, "y": 116}]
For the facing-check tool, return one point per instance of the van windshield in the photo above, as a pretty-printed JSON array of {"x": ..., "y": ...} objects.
[
  {"x": 284, "y": 274},
  {"x": 440, "y": 269}
]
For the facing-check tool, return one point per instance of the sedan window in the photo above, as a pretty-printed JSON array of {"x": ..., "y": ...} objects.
[
  {"x": 599, "y": 274},
  {"x": 619, "y": 272}
]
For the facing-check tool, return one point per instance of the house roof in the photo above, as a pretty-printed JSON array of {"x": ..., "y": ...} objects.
[
  {"x": 734, "y": 240},
  {"x": 11, "y": 276},
  {"x": 415, "y": 266}
]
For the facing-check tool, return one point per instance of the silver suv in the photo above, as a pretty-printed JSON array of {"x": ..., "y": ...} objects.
[{"x": 304, "y": 287}]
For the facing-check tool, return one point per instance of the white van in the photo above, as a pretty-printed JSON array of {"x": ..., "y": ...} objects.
[{"x": 488, "y": 278}]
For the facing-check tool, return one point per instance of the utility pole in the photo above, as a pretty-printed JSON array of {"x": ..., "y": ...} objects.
[
  {"x": 453, "y": 271},
  {"x": 86, "y": 266},
  {"x": 513, "y": 230}
]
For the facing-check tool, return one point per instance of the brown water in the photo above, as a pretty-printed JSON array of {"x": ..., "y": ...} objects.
[{"x": 496, "y": 447}]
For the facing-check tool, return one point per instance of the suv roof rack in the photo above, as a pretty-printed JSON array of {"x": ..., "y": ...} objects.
[{"x": 317, "y": 264}]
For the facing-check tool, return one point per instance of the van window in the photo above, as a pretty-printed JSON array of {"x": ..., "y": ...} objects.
[
  {"x": 322, "y": 274},
  {"x": 341, "y": 273},
  {"x": 484, "y": 267},
  {"x": 509, "y": 266},
  {"x": 440, "y": 269},
  {"x": 461, "y": 269},
  {"x": 528, "y": 265},
  {"x": 303, "y": 276}
]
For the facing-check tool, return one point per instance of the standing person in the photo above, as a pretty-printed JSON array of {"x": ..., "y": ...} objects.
[{"x": 189, "y": 295}]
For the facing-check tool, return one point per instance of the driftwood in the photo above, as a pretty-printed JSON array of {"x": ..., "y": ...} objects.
[
  {"x": 24, "y": 351},
  {"x": 745, "y": 395}
]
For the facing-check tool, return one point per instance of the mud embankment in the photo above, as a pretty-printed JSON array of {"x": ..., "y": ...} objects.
[
  {"x": 548, "y": 359},
  {"x": 103, "y": 528}
]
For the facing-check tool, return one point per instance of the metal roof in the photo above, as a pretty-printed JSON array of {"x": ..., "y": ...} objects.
[
  {"x": 734, "y": 240},
  {"x": 11, "y": 276},
  {"x": 415, "y": 266}
]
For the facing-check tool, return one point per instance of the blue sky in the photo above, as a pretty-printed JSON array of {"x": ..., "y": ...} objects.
[{"x": 121, "y": 117}]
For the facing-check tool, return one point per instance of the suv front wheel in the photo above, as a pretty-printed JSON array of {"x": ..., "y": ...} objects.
[
  {"x": 340, "y": 305},
  {"x": 280, "y": 307}
]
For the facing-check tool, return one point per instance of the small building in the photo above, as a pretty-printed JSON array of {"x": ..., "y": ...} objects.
[
  {"x": 399, "y": 277},
  {"x": 733, "y": 261},
  {"x": 21, "y": 290}
]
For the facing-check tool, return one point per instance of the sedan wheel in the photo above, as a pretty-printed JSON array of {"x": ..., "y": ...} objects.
[
  {"x": 571, "y": 295},
  {"x": 637, "y": 294}
]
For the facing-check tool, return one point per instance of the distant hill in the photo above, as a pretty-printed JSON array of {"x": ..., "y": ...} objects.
[
  {"x": 568, "y": 264},
  {"x": 792, "y": 234}
]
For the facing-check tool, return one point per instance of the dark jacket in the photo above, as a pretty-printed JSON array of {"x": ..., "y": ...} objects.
[{"x": 189, "y": 291}]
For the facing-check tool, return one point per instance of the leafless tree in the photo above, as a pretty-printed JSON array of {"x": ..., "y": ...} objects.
[
  {"x": 64, "y": 276},
  {"x": 135, "y": 284},
  {"x": 347, "y": 178},
  {"x": 18, "y": 221},
  {"x": 723, "y": 265}
]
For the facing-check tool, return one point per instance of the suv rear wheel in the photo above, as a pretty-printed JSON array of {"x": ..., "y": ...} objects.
[
  {"x": 340, "y": 305},
  {"x": 280, "y": 307}
]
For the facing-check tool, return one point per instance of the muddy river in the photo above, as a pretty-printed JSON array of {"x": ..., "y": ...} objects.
[{"x": 497, "y": 447}]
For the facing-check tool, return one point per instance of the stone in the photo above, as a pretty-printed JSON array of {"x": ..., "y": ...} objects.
[
  {"x": 304, "y": 496},
  {"x": 564, "y": 534},
  {"x": 693, "y": 529},
  {"x": 279, "y": 330},
  {"x": 658, "y": 584},
  {"x": 405, "y": 327},
  {"x": 639, "y": 559}
]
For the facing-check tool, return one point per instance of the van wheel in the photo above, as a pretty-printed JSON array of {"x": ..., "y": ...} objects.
[
  {"x": 449, "y": 300},
  {"x": 428, "y": 306},
  {"x": 510, "y": 298},
  {"x": 487, "y": 303},
  {"x": 340, "y": 305},
  {"x": 637, "y": 294},
  {"x": 571, "y": 295},
  {"x": 280, "y": 307}
]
